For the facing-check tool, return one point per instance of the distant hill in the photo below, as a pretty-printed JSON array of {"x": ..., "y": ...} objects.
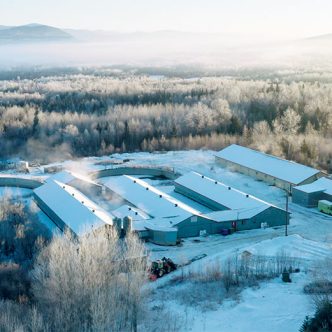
[{"x": 32, "y": 32}]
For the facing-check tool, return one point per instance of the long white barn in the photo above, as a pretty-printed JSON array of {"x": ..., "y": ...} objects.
[
  {"x": 273, "y": 170},
  {"x": 153, "y": 202},
  {"x": 69, "y": 208},
  {"x": 228, "y": 203}
]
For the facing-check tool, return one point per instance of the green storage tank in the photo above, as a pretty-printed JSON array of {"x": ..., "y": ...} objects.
[{"x": 325, "y": 207}]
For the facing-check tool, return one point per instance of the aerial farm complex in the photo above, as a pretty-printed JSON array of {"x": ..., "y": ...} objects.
[{"x": 191, "y": 205}]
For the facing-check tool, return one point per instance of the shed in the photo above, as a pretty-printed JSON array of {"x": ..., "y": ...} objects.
[
  {"x": 273, "y": 170},
  {"x": 308, "y": 195}
]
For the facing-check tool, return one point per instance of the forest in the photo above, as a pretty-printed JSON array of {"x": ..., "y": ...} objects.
[{"x": 47, "y": 117}]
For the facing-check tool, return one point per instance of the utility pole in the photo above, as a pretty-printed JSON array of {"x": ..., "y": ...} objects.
[{"x": 286, "y": 225}]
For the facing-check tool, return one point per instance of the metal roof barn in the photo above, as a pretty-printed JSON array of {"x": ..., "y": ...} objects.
[
  {"x": 229, "y": 204},
  {"x": 69, "y": 208},
  {"x": 215, "y": 194},
  {"x": 279, "y": 172},
  {"x": 150, "y": 200}
]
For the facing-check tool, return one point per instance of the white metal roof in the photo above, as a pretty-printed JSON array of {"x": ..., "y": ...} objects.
[
  {"x": 129, "y": 211},
  {"x": 67, "y": 176},
  {"x": 233, "y": 215},
  {"x": 322, "y": 184},
  {"x": 77, "y": 211},
  {"x": 152, "y": 201},
  {"x": 219, "y": 192},
  {"x": 276, "y": 167}
]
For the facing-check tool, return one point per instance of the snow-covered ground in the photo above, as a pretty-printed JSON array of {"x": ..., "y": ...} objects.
[{"x": 273, "y": 306}]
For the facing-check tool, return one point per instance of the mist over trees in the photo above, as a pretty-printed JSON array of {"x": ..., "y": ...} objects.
[{"x": 57, "y": 117}]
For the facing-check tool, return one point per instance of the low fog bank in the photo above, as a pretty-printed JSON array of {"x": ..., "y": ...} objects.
[{"x": 169, "y": 50}]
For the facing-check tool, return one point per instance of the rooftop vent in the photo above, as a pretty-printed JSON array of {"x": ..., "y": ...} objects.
[
  {"x": 134, "y": 181},
  {"x": 129, "y": 208},
  {"x": 247, "y": 195},
  {"x": 229, "y": 188},
  {"x": 82, "y": 202},
  {"x": 93, "y": 211},
  {"x": 215, "y": 182},
  {"x": 73, "y": 194},
  {"x": 202, "y": 176},
  {"x": 160, "y": 196},
  {"x": 147, "y": 188},
  {"x": 175, "y": 205},
  {"x": 136, "y": 213},
  {"x": 63, "y": 187}
]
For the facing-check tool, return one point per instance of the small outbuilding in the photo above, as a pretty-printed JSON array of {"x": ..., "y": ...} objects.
[
  {"x": 308, "y": 195},
  {"x": 273, "y": 170}
]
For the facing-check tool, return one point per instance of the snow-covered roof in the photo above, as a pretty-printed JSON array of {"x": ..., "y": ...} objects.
[
  {"x": 322, "y": 184},
  {"x": 63, "y": 177},
  {"x": 276, "y": 167},
  {"x": 77, "y": 211},
  {"x": 67, "y": 176},
  {"x": 231, "y": 215},
  {"x": 152, "y": 201},
  {"x": 219, "y": 192},
  {"x": 129, "y": 211}
]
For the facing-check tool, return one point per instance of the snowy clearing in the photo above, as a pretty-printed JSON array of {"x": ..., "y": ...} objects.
[{"x": 273, "y": 306}]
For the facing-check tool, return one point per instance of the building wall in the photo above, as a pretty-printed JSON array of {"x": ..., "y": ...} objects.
[
  {"x": 10, "y": 181},
  {"x": 301, "y": 197},
  {"x": 328, "y": 197},
  {"x": 285, "y": 185},
  {"x": 165, "y": 238},
  {"x": 272, "y": 216},
  {"x": 255, "y": 174},
  {"x": 312, "y": 178},
  {"x": 153, "y": 171},
  {"x": 190, "y": 228},
  {"x": 54, "y": 217},
  {"x": 309, "y": 200}
]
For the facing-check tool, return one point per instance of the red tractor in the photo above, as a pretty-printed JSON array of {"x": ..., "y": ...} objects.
[{"x": 161, "y": 267}]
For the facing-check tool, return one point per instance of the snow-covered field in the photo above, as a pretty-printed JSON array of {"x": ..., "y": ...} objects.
[{"x": 273, "y": 306}]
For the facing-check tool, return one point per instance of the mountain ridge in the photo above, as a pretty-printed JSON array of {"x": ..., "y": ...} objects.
[{"x": 32, "y": 32}]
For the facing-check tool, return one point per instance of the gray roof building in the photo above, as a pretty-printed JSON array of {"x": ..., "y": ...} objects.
[{"x": 273, "y": 170}]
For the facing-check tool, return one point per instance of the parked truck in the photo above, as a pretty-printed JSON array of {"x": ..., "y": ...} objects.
[{"x": 325, "y": 207}]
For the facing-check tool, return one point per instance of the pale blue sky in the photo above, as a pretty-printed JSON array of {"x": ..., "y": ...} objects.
[{"x": 275, "y": 18}]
